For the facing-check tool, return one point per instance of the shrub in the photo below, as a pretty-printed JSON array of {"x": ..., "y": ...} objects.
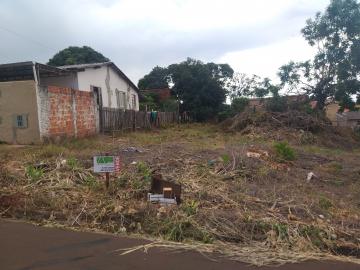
[
  {"x": 34, "y": 174},
  {"x": 284, "y": 151},
  {"x": 91, "y": 182},
  {"x": 239, "y": 104},
  {"x": 225, "y": 159},
  {"x": 190, "y": 208},
  {"x": 325, "y": 203},
  {"x": 72, "y": 163},
  {"x": 144, "y": 169}
]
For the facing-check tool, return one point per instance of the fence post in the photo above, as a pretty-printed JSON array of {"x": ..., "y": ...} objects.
[{"x": 134, "y": 121}]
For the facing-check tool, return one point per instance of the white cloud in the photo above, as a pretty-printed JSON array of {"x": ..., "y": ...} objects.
[
  {"x": 140, "y": 34},
  {"x": 265, "y": 61}
]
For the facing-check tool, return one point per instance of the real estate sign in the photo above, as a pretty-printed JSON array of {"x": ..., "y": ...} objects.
[{"x": 105, "y": 164}]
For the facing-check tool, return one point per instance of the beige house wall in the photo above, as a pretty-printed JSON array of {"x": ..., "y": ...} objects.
[
  {"x": 331, "y": 111},
  {"x": 18, "y": 98}
]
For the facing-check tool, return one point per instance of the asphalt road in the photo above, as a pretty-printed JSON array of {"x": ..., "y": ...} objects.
[{"x": 28, "y": 247}]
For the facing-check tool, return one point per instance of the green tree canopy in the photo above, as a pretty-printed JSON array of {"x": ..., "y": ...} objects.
[
  {"x": 157, "y": 78},
  {"x": 334, "y": 72},
  {"x": 77, "y": 55},
  {"x": 199, "y": 86}
]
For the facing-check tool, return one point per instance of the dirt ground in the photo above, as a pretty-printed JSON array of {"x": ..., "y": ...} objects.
[{"x": 238, "y": 192}]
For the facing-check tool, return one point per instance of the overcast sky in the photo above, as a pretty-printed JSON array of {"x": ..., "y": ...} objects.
[{"x": 253, "y": 36}]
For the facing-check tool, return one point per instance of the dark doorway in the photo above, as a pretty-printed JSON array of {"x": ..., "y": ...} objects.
[
  {"x": 98, "y": 97},
  {"x": 99, "y": 105}
]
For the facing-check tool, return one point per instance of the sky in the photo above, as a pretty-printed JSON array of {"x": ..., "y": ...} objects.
[{"x": 253, "y": 36}]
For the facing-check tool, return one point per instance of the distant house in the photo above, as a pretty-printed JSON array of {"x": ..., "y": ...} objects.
[
  {"x": 259, "y": 103},
  {"x": 40, "y": 102},
  {"x": 331, "y": 110},
  {"x": 344, "y": 118},
  {"x": 348, "y": 119}
]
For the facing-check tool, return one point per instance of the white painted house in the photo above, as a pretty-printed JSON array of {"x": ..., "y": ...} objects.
[{"x": 108, "y": 82}]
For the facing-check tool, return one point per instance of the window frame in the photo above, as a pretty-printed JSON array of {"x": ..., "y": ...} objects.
[{"x": 24, "y": 121}]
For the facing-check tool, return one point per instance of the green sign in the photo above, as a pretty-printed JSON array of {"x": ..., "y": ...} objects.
[{"x": 104, "y": 164}]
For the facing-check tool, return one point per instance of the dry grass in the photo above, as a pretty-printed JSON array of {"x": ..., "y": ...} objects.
[{"x": 257, "y": 210}]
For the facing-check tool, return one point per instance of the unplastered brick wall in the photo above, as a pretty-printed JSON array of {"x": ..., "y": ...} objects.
[{"x": 65, "y": 112}]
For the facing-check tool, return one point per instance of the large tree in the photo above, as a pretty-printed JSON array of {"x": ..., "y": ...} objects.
[
  {"x": 157, "y": 78},
  {"x": 77, "y": 55},
  {"x": 200, "y": 87},
  {"x": 334, "y": 72},
  {"x": 242, "y": 85}
]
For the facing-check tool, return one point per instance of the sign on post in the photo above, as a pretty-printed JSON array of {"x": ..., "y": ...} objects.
[{"x": 106, "y": 164}]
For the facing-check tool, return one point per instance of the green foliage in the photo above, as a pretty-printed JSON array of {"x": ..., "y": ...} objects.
[
  {"x": 239, "y": 104},
  {"x": 50, "y": 150},
  {"x": 91, "y": 182},
  {"x": 34, "y": 174},
  {"x": 77, "y": 55},
  {"x": 72, "y": 163},
  {"x": 325, "y": 203},
  {"x": 334, "y": 167},
  {"x": 225, "y": 158},
  {"x": 149, "y": 101},
  {"x": 199, "y": 86},
  {"x": 334, "y": 71},
  {"x": 337, "y": 182},
  {"x": 284, "y": 151},
  {"x": 179, "y": 230},
  {"x": 225, "y": 112},
  {"x": 82, "y": 144},
  {"x": 157, "y": 78},
  {"x": 122, "y": 181},
  {"x": 145, "y": 171},
  {"x": 315, "y": 235},
  {"x": 169, "y": 105},
  {"x": 190, "y": 207},
  {"x": 281, "y": 230},
  {"x": 276, "y": 103}
]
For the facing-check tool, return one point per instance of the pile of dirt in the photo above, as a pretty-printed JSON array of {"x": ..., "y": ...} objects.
[
  {"x": 290, "y": 119},
  {"x": 292, "y": 125}
]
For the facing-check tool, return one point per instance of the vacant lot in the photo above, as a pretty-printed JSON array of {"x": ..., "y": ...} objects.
[{"x": 241, "y": 192}]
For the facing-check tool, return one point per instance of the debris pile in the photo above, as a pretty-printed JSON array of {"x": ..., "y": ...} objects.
[{"x": 290, "y": 119}]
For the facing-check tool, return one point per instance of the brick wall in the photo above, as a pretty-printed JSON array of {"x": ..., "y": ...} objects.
[
  {"x": 85, "y": 113},
  {"x": 66, "y": 112}
]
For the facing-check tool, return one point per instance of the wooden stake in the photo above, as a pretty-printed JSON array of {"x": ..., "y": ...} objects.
[{"x": 107, "y": 177}]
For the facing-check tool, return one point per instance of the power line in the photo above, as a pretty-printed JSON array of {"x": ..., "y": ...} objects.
[{"x": 26, "y": 38}]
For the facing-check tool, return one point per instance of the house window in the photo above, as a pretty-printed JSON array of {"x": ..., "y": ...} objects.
[
  {"x": 123, "y": 99},
  {"x": 21, "y": 121},
  {"x": 120, "y": 99},
  {"x": 133, "y": 101}
]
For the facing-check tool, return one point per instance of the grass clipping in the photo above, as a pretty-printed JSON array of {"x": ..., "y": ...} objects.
[{"x": 250, "y": 254}]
